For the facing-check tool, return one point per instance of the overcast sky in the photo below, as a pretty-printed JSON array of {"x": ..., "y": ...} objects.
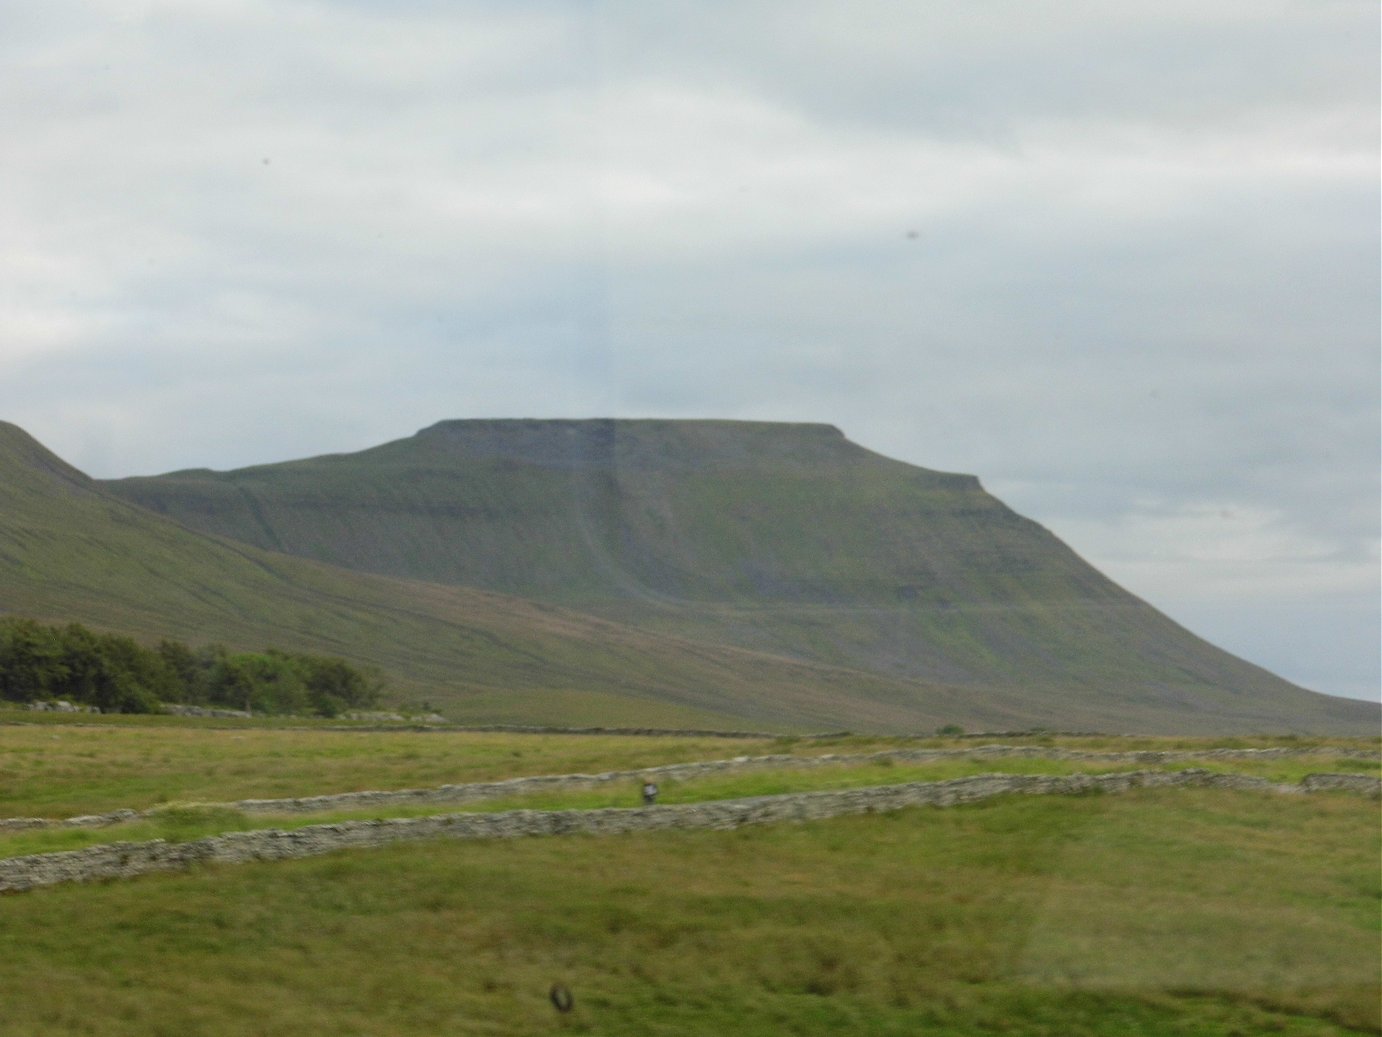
[{"x": 1118, "y": 258}]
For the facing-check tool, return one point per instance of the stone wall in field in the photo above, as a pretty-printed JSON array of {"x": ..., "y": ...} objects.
[
  {"x": 1361, "y": 784},
  {"x": 476, "y": 792},
  {"x": 122, "y": 860}
]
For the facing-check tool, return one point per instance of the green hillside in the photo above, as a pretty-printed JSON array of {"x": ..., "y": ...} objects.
[
  {"x": 70, "y": 551},
  {"x": 786, "y": 539}
]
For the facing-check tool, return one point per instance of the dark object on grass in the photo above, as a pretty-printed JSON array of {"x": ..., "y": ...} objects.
[{"x": 562, "y": 1000}]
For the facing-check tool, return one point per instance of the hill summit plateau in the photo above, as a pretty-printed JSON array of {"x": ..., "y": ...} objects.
[{"x": 786, "y": 540}]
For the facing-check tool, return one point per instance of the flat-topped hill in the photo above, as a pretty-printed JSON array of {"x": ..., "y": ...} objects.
[
  {"x": 781, "y": 538},
  {"x": 591, "y": 513},
  {"x": 71, "y": 551}
]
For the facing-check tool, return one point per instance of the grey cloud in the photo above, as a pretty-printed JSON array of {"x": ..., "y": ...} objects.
[
  {"x": 984, "y": 70},
  {"x": 1120, "y": 260}
]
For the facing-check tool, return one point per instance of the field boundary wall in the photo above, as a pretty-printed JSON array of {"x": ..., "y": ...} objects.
[
  {"x": 476, "y": 792},
  {"x": 125, "y": 860}
]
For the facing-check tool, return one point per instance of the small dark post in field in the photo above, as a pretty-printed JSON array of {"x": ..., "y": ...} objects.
[{"x": 561, "y": 997}]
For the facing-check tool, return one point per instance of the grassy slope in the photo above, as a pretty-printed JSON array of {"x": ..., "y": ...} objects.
[
  {"x": 70, "y": 551},
  {"x": 785, "y": 539}
]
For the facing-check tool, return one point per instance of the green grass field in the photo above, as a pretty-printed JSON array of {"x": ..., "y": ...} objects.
[
  {"x": 58, "y": 770},
  {"x": 1187, "y": 912},
  {"x": 1181, "y": 911},
  {"x": 184, "y": 821},
  {"x": 55, "y": 765}
]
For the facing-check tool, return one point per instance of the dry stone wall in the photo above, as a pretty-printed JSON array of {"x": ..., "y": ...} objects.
[
  {"x": 475, "y": 792},
  {"x": 1359, "y": 784},
  {"x": 123, "y": 860}
]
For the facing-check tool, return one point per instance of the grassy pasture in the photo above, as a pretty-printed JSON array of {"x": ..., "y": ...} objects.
[
  {"x": 1157, "y": 912},
  {"x": 1160, "y": 912},
  {"x": 192, "y": 821},
  {"x": 187, "y": 821},
  {"x": 56, "y": 766},
  {"x": 58, "y": 770}
]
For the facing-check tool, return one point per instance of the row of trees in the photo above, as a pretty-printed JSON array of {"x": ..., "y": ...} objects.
[{"x": 39, "y": 662}]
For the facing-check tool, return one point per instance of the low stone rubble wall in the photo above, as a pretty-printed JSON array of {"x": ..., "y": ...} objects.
[
  {"x": 1360, "y": 784},
  {"x": 178, "y": 709},
  {"x": 123, "y": 860},
  {"x": 392, "y": 717},
  {"x": 476, "y": 792},
  {"x": 115, "y": 817}
]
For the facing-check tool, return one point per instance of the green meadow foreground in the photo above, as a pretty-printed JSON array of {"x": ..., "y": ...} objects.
[{"x": 1177, "y": 911}]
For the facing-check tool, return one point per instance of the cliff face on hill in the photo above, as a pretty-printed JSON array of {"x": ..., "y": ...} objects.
[{"x": 784, "y": 539}]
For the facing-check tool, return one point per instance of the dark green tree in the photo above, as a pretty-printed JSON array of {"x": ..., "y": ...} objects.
[
  {"x": 30, "y": 660},
  {"x": 117, "y": 674}
]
